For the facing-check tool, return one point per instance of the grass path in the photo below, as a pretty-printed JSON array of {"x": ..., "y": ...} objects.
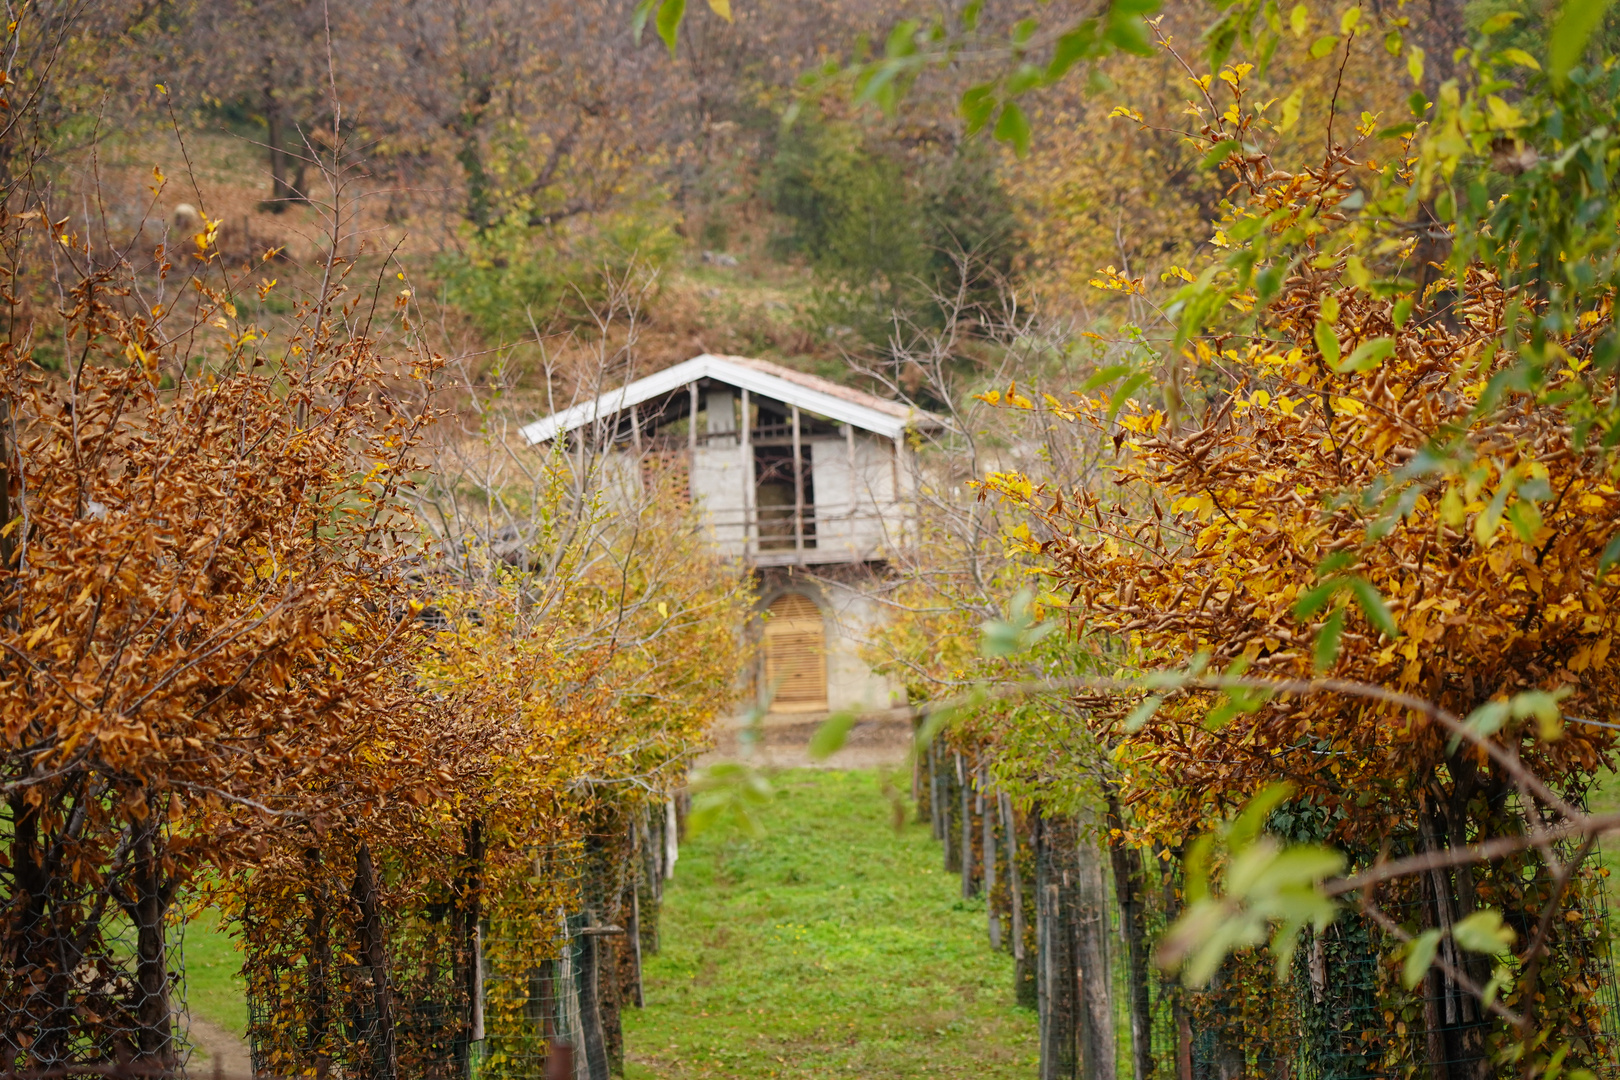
[{"x": 834, "y": 946}]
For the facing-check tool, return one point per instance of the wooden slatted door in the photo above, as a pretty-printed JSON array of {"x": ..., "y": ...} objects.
[{"x": 796, "y": 655}]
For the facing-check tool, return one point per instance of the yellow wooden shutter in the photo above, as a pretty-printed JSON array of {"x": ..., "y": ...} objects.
[{"x": 796, "y": 655}]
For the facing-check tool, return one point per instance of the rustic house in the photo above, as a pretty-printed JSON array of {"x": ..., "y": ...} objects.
[{"x": 805, "y": 480}]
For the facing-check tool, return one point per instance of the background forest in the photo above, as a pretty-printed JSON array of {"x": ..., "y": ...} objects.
[{"x": 1256, "y": 605}]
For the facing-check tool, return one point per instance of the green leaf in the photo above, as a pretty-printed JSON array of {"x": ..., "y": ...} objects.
[
  {"x": 1373, "y": 606},
  {"x": 1610, "y": 556},
  {"x": 1327, "y": 641},
  {"x": 831, "y": 735},
  {"x": 1024, "y": 79},
  {"x": 1195, "y": 869},
  {"x": 978, "y": 106},
  {"x": 1012, "y": 126},
  {"x": 1219, "y": 153},
  {"x": 1519, "y": 57},
  {"x": 1403, "y": 311},
  {"x": 1328, "y": 342},
  {"x": 1245, "y": 829},
  {"x": 1323, "y": 45},
  {"x": 1419, "y": 955},
  {"x": 1484, "y": 932},
  {"x": 1071, "y": 48},
  {"x": 1315, "y": 600},
  {"x": 1299, "y": 866},
  {"x": 1290, "y": 110},
  {"x": 1334, "y": 563},
  {"x": 1499, "y": 22},
  {"x": 1486, "y": 720},
  {"x": 1105, "y": 376},
  {"x": 1143, "y": 712},
  {"x": 670, "y": 14},
  {"x": 1127, "y": 31},
  {"x": 970, "y": 15},
  {"x": 1118, "y": 398},
  {"x": 1577, "y": 21},
  {"x": 1367, "y": 355},
  {"x": 902, "y": 39},
  {"x": 638, "y": 22}
]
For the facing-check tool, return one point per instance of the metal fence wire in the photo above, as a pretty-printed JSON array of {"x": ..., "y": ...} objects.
[
  {"x": 488, "y": 991},
  {"x": 92, "y": 971},
  {"x": 1342, "y": 1012}
]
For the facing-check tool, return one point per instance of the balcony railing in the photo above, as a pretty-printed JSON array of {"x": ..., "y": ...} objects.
[{"x": 778, "y": 536}]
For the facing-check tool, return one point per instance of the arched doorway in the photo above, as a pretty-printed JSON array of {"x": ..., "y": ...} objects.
[{"x": 796, "y": 655}]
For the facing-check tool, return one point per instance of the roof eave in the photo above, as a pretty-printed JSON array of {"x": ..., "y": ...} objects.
[{"x": 745, "y": 378}]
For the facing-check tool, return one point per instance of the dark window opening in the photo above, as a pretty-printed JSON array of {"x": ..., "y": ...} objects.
[{"x": 781, "y": 523}]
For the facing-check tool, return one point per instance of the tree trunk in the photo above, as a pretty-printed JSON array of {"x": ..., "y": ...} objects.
[
  {"x": 469, "y": 941},
  {"x": 154, "y": 1019},
  {"x": 1129, "y": 885},
  {"x": 374, "y": 949},
  {"x": 1023, "y": 971},
  {"x": 282, "y": 192}
]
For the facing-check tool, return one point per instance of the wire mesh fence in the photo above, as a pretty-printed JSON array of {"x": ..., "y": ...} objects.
[
  {"x": 92, "y": 978},
  {"x": 1341, "y": 1012},
  {"x": 502, "y": 978}
]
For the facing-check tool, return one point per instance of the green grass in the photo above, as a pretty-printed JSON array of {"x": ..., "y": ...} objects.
[
  {"x": 214, "y": 987},
  {"x": 834, "y": 946}
]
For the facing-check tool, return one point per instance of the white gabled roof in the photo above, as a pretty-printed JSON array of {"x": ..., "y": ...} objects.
[{"x": 809, "y": 392}]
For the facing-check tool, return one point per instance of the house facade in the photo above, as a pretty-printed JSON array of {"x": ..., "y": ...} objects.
[{"x": 804, "y": 480}]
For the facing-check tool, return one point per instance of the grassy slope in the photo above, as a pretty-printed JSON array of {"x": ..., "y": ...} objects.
[{"x": 833, "y": 946}]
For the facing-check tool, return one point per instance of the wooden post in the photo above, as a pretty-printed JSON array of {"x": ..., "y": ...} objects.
[
  {"x": 1129, "y": 884},
  {"x": 1009, "y": 825},
  {"x": 798, "y": 486},
  {"x": 1057, "y": 969},
  {"x": 691, "y": 421},
  {"x": 1091, "y": 928},
  {"x": 634, "y": 930},
  {"x": 988, "y": 816},
  {"x": 743, "y": 441},
  {"x": 635, "y": 427},
  {"x": 853, "y": 515},
  {"x": 592, "y": 1040},
  {"x": 934, "y": 789},
  {"x": 963, "y": 776}
]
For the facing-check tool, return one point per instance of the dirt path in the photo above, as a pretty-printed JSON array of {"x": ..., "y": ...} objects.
[
  {"x": 220, "y": 1055},
  {"x": 877, "y": 741}
]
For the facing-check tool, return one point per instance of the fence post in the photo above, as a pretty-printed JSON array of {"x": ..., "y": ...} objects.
[
  {"x": 1129, "y": 885},
  {"x": 987, "y": 811},
  {"x": 963, "y": 776},
  {"x": 1057, "y": 987},
  {"x": 1093, "y": 980},
  {"x": 592, "y": 1042}
]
